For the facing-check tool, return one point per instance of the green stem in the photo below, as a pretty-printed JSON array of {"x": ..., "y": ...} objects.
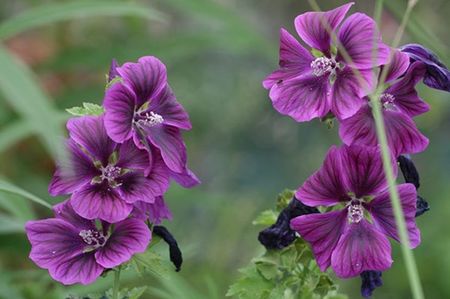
[{"x": 116, "y": 283}]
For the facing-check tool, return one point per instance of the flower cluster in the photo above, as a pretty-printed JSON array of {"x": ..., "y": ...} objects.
[
  {"x": 117, "y": 170},
  {"x": 347, "y": 65}
]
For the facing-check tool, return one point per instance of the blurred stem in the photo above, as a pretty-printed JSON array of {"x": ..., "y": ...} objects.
[{"x": 116, "y": 283}]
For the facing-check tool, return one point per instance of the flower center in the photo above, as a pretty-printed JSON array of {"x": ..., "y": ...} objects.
[
  {"x": 355, "y": 211},
  {"x": 149, "y": 119},
  {"x": 388, "y": 101},
  {"x": 93, "y": 238},
  {"x": 110, "y": 173},
  {"x": 324, "y": 65}
]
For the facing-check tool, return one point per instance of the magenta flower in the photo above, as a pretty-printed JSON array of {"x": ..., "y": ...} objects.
[
  {"x": 106, "y": 178},
  {"x": 307, "y": 86},
  {"x": 75, "y": 250},
  {"x": 154, "y": 212},
  {"x": 400, "y": 103},
  {"x": 143, "y": 107},
  {"x": 354, "y": 238}
]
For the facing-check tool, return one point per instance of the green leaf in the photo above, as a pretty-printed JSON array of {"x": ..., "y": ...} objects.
[
  {"x": 55, "y": 12},
  {"x": 8, "y": 187},
  {"x": 152, "y": 262},
  {"x": 266, "y": 218},
  {"x": 136, "y": 293},
  {"x": 284, "y": 198},
  {"x": 10, "y": 225},
  {"x": 87, "y": 109}
]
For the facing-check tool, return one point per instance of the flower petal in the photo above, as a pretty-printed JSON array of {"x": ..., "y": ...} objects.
[
  {"x": 362, "y": 168},
  {"x": 322, "y": 231},
  {"x": 130, "y": 236},
  {"x": 169, "y": 141},
  {"x": 362, "y": 247},
  {"x": 65, "y": 212},
  {"x": 73, "y": 173},
  {"x": 325, "y": 187},
  {"x": 147, "y": 78},
  {"x": 82, "y": 269},
  {"x": 113, "y": 70},
  {"x": 120, "y": 104},
  {"x": 100, "y": 201},
  {"x": 348, "y": 92},
  {"x": 154, "y": 212},
  {"x": 133, "y": 158},
  {"x": 314, "y": 27},
  {"x": 358, "y": 36},
  {"x": 186, "y": 179},
  {"x": 294, "y": 60},
  {"x": 383, "y": 214},
  {"x": 397, "y": 66},
  {"x": 405, "y": 94},
  {"x": 302, "y": 98},
  {"x": 90, "y": 133}
]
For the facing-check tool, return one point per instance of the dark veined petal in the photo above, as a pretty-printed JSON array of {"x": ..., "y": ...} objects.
[
  {"x": 147, "y": 78},
  {"x": 326, "y": 187},
  {"x": 302, "y": 98},
  {"x": 113, "y": 70},
  {"x": 314, "y": 27},
  {"x": 155, "y": 212},
  {"x": 362, "y": 247},
  {"x": 358, "y": 36},
  {"x": 120, "y": 104},
  {"x": 397, "y": 65},
  {"x": 383, "y": 214},
  {"x": 100, "y": 201},
  {"x": 186, "y": 179},
  {"x": 72, "y": 173},
  {"x": 405, "y": 94},
  {"x": 129, "y": 236},
  {"x": 322, "y": 231},
  {"x": 133, "y": 158},
  {"x": 65, "y": 212},
  {"x": 294, "y": 60},
  {"x": 90, "y": 133},
  {"x": 82, "y": 269}
]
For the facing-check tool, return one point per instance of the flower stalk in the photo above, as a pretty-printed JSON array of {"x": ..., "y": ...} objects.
[{"x": 116, "y": 283}]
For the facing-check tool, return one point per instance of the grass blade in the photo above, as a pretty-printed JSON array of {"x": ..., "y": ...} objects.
[
  {"x": 55, "y": 12},
  {"x": 8, "y": 187}
]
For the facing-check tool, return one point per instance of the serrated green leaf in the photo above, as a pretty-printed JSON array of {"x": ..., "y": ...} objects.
[
  {"x": 284, "y": 198},
  {"x": 151, "y": 262},
  {"x": 87, "y": 109},
  {"x": 136, "y": 293},
  {"x": 266, "y": 218}
]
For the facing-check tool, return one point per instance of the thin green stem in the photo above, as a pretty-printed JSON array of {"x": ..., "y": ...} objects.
[{"x": 116, "y": 283}]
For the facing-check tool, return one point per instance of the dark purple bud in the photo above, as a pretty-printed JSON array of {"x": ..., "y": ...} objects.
[
  {"x": 112, "y": 70},
  {"x": 437, "y": 75},
  {"x": 409, "y": 171},
  {"x": 280, "y": 234},
  {"x": 421, "y": 206},
  {"x": 370, "y": 280},
  {"x": 175, "y": 253}
]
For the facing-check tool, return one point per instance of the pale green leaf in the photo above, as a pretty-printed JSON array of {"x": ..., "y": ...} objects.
[
  {"x": 8, "y": 187},
  {"x": 87, "y": 109},
  {"x": 266, "y": 218}
]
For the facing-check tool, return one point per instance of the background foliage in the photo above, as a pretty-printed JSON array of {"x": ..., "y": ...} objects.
[{"x": 54, "y": 55}]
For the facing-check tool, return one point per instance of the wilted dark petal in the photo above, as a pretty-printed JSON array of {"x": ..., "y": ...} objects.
[
  {"x": 437, "y": 75},
  {"x": 397, "y": 66},
  {"x": 422, "y": 206},
  {"x": 79, "y": 269},
  {"x": 53, "y": 241},
  {"x": 155, "y": 212},
  {"x": 129, "y": 236},
  {"x": 302, "y": 98},
  {"x": 186, "y": 179},
  {"x": 409, "y": 170},
  {"x": 169, "y": 141},
  {"x": 322, "y": 231},
  {"x": 370, "y": 280},
  {"x": 361, "y": 248},
  {"x": 90, "y": 133},
  {"x": 100, "y": 201},
  {"x": 325, "y": 187},
  {"x": 65, "y": 212},
  {"x": 176, "y": 256},
  {"x": 348, "y": 91},
  {"x": 381, "y": 210},
  {"x": 147, "y": 78},
  {"x": 112, "y": 70},
  {"x": 314, "y": 27},
  {"x": 362, "y": 170},
  {"x": 173, "y": 113},
  {"x": 358, "y": 36},
  {"x": 294, "y": 60},
  {"x": 405, "y": 94},
  {"x": 73, "y": 173},
  {"x": 120, "y": 104}
]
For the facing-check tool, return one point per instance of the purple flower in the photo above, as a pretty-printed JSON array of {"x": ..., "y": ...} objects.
[
  {"x": 353, "y": 238},
  {"x": 154, "y": 212},
  {"x": 106, "y": 178},
  {"x": 400, "y": 103},
  {"x": 437, "y": 74},
  {"x": 76, "y": 250},
  {"x": 307, "y": 86},
  {"x": 143, "y": 107}
]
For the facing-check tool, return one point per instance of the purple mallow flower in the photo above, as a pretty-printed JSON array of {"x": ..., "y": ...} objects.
[
  {"x": 437, "y": 74},
  {"x": 77, "y": 250},
  {"x": 154, "y": 212},
  {"x": 106, "y": 178},
  {"x": 353, "y": 238},
  {"x": 307, "y": 86},
  {"x": 400, "y": 103},
  {"x": 142, "y": 107}
]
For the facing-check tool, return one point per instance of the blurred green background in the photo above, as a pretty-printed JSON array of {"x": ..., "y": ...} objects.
[{"x": 217, "y": 52}]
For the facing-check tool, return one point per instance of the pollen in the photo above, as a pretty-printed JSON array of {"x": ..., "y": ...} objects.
[
  {"x": 93, "y": 238},
  {"x": 323, "y": 65},
  {"x": 387, "y": 100},
  {"x": 149, "y": 119},
  {"x": 355, "y": 211}
]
